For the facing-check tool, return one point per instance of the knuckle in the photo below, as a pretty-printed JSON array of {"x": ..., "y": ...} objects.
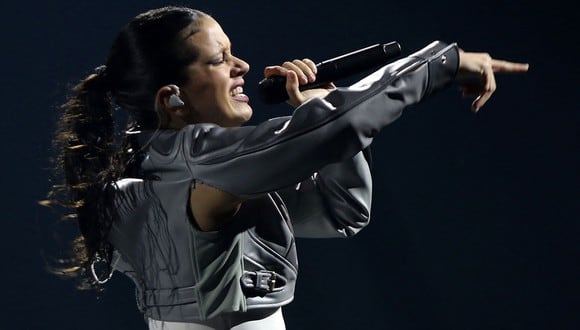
[{"x": 487, "y": 59}]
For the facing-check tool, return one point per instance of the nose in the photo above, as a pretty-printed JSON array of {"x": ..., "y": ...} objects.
[{"x": 240, "y": 67}]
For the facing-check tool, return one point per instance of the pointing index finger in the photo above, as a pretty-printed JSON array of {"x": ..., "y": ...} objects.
[{"x": 509, "y": 67}]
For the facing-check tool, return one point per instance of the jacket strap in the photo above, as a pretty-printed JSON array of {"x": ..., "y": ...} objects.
[
  {"x": 169, "y": 297},
  {"x": 260, "y": 282}
]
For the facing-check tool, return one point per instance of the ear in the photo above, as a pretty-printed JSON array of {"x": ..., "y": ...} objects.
[
  {"x": 170, "y": 108},
  {"x": 169, "y": 105},
  {"x": 167, "y": 98}
]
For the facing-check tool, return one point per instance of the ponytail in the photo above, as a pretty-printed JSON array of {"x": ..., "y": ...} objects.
[{"x": 89, "y": 161}]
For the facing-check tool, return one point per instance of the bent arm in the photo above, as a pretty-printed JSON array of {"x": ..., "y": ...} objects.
[
  {"x": 334, "y": 202},
  {"x": 250, "y": 161}
]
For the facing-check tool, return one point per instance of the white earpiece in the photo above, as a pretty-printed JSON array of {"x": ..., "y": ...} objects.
[{"x": 174, "y": 100}]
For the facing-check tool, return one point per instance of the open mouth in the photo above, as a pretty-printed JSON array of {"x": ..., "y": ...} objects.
[
  {"x": 238, "y": 94},
  {"x": 237, "y": 91}
]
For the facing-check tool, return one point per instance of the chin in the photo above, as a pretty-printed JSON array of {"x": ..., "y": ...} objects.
[
  {"x": 244, "y": 113},
  {"x": 242, "y": 120}
]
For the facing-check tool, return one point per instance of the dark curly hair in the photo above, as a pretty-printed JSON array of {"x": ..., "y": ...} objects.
[{"x": 147, "y": 54}]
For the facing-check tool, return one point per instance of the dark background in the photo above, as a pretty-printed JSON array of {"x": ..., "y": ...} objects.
[{"x": 475, "y": 217}]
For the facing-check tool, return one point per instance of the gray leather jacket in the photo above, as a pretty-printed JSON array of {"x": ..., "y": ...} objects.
[{"x": 304, "y": 175}]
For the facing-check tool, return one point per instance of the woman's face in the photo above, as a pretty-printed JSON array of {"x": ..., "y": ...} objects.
[{"x": 214, "y": 93}]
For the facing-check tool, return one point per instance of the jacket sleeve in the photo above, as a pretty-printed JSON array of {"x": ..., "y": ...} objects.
[
  {"x": 253, "y": 160},
  {"x": 334, "y": 202}
]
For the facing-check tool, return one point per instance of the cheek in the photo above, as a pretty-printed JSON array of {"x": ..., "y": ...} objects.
[
  {"x": 201, "y": 95},
  {"x": 212, "y": 90},
  {"x": 207, "y": 104},
  {"x": 209, "y": 94}
]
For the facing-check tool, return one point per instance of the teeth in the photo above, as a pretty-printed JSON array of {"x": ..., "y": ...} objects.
[{"x": 236, "y": 91}]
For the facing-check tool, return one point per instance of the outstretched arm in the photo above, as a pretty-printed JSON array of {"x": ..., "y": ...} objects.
[
  {"x": 336, "y": 200},
  {"x": 476, "y": 74},
  {"x": 288, "y": 151}
]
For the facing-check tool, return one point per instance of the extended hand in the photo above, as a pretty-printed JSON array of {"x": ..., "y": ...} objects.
[{"x": 482, "y": 67}]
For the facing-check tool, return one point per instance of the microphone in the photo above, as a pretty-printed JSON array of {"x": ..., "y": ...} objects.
[{"x": 273, "y": 90}]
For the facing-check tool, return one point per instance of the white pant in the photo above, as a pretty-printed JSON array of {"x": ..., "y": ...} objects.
[{"x": 251, "y": 320}]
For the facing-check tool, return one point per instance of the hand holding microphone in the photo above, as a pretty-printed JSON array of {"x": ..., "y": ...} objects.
[
  {"x": 273, "y": 88},
  {"x": 291, "y": 77}
]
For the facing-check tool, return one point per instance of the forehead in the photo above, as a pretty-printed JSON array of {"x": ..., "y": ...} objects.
[{"x": 209, "y": 35}]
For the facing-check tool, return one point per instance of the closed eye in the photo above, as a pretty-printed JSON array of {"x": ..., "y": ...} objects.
[
  {"x": 218, "y": 61},
  {"x": 223, "y": 57}
]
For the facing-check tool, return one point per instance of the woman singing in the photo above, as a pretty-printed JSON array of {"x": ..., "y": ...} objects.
[{"x": 201, "y": 211}]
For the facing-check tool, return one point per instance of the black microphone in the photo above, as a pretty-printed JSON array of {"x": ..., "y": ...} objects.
[{"x": 273, "y": 90}]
